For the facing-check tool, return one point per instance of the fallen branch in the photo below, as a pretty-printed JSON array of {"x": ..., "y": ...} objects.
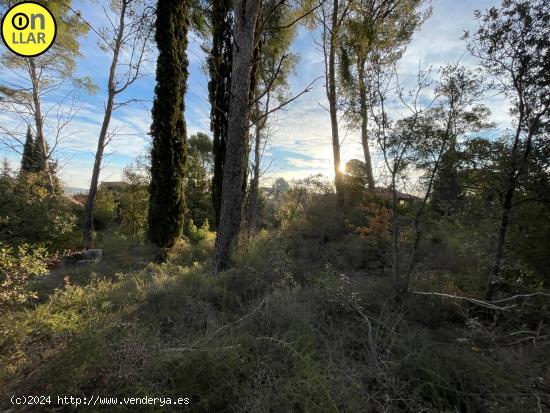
[
  {"x": 487, "y": 304},
  {"x": 521, "y": 296},
  {"x": 521, "y": 340}
]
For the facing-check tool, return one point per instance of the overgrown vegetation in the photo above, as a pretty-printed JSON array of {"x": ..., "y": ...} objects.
[
  {"x": 423, "y": 289},
  {"x": 280, "y": 331}
]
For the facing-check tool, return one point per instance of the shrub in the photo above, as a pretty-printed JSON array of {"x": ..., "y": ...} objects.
[
  {"x": 32, "y": 215},
  {"x": 196, "y": 235},
  {"x": 17, "y": 267}
]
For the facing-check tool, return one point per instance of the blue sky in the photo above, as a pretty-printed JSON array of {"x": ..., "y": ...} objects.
[{"x": 301, "y": 143}]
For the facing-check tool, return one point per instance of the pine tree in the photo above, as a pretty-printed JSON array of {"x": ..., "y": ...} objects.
[
  {"x": 169, "y": 150},
  {"x": 28, "y": 160},
  {"x": 374, "y": 33}
]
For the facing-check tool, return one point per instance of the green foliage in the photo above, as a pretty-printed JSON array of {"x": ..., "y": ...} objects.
[
  {"x": 30, "y": 160},
  {"x": 202, "y": 144},
  {"x": 196, "y": 235},
  {"x": 134, "y": 201},
  {"x": 197, "y": 187},
  {"x": 169, "y": 150},
  {"x": 31, "y": 214},
  {"x": 18, "y": 266},
  {"x": 261, "y": 337},
  {"x": 375, "y": 32},
  {"x": 105, "y": 209}
]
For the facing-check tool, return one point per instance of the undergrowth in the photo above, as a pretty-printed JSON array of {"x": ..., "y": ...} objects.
[{"x": 271, "y": 335}]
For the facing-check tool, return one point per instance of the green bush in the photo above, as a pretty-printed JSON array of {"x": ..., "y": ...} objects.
[
  {"x": 196, "y": 235},
  {"x": 18, "y": 266},
  {"x": 32, "y": 215}
]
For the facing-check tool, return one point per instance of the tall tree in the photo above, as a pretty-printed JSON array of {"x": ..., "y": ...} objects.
[
  {"x": 169, "y": 151},
  {"x": 459, "y": 90},
  {"x": 41, "y": 76},
  {"x": 274, "y": 66},
  {"x": 331, "y": 15},
  {"x": 512, "y": 43},
  {"x": 219, "y": 88},
  {"x": 244, "y": 44},
  {"x": 398, "y": 140},
  {"x": 374, "y": 32},
  {"x": 130, "y": 36},
  {"x": 456, "y": 113}
]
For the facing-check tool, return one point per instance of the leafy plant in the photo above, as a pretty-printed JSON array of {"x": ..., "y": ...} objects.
[{"x": 17, "y": 268}]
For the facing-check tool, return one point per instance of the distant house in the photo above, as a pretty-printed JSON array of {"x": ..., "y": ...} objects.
[
  {"x": 403, "y": 199},
  {"x": 113, "y": 186},
  {"x": 78, "y": 199}
]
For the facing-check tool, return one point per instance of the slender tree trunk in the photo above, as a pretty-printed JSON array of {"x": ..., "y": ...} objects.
[
  {"x": 101, "y": 142},
  {"x": 255, "y": 182},
  {"x": 395, "y": 237},
  {"x": 515, "y": 172},
  {"x": 501, "y": 240},
  {"x": 39, "y": 122},
  {"x": 417, "y": 216},
  {"x": 333, "y": 109},
  {"x": 246, "y": 13},
  {"x": 364, "y": 123}
]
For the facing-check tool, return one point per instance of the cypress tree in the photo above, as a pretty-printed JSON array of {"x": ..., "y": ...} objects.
[
  {"x": 39, "y": 165},
  {"x": 28, "y": 160},
  {"x": 169, "y": 149},
  {"x": 219, "y": 90}
]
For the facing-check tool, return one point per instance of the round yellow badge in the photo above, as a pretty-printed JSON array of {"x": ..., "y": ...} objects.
[{"x": 28, "y": 29}]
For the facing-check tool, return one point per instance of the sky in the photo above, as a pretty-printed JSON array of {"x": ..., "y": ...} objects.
[{"x": 300, "y": 144}]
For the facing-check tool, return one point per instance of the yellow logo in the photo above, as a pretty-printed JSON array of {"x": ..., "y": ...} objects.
[{"x": 28, "y": 29}]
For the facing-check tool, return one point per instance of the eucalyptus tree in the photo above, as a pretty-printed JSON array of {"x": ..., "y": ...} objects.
[
  {"x": 512, "y": 42},
  {"x": 375, "y": 32},
  {"x": 169, "y": 149},
  {"x": 30, "y": 80},
  {"x": 129, "y": 36}
]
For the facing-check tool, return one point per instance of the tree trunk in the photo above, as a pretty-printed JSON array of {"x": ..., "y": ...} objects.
[
  {"x": 89, "y": 208},
  {"x": 246, "y": 13},
  {"x": 219, "y": 88},
  {"x": 39, "y": 122},
  {"x": 395, "y": 237},
  {"x": 516, "y": 171},
  {"x": 504, "y": 221},
  {"x": 331, "y": 96},
  {"x": 254, "y": 184},
  {"x": 364, "y": 123}
]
